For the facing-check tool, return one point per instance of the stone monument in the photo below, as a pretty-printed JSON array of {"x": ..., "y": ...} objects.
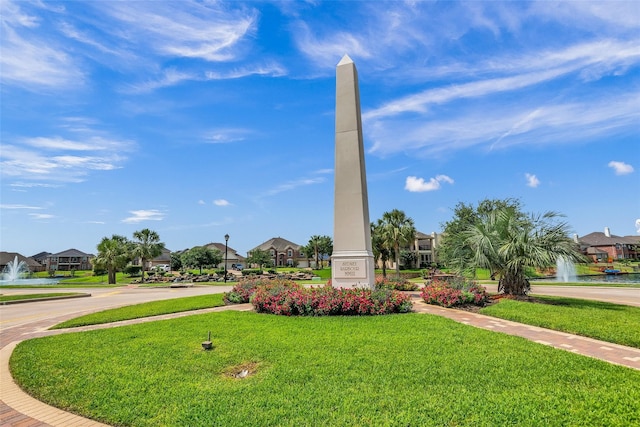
[{"x": 352, "y": 262}]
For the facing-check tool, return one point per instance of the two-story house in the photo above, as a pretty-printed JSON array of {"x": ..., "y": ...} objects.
[{"x": 283, "y": 253}]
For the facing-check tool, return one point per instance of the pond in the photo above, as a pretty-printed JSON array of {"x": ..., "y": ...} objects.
[
  {"x": 628, "y": 278},
  {"x": 29, "y": 282}
]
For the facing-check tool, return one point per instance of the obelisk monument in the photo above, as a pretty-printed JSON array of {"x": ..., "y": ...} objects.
[{"x": 352, "y": 261}]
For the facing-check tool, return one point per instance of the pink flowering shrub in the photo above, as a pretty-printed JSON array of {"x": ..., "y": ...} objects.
[
  {"x": 449, "y": 294},
  {"x": 241, "y": 292},
  {"x": 327, "y": 300}
]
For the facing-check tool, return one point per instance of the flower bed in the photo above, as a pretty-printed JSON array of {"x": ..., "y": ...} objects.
[
  {"x": 289, "y": 299},
  {"x": 451, "y": 294},
  {"x": 242, "y": 292}
]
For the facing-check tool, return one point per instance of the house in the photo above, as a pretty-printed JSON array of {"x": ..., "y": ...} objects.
[
  {"x": 69, "y": 260},
  {"x": 283, "y": 253},
  {"x": 233, "y": 257},
  {"x": 8, "y": 257},
  {"x": 163, "y": 259},
  {"x": 424, "y": 249},
  {"x": 41, "y": 257},
  {"x": 606, "y": 247}
]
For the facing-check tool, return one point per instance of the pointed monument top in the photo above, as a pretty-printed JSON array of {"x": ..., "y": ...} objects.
[{"x": 345, "y": 60}]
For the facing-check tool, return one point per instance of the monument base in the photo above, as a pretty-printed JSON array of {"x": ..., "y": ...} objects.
[{"x": 351, "y": 269}]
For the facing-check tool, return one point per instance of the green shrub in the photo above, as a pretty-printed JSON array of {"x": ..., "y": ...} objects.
[
  {"x": 394, "y": 283},
  {"x": 132, "y": 270},
  {"x": 251, "y": 271}
]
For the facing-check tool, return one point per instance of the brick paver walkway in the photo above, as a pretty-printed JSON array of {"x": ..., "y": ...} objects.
[{"x": 19, "y": 409}]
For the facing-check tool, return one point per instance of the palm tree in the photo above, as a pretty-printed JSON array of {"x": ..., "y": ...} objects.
[
  {"x": 398, "y": 230},
  {"x": 146, "y": 246},
  {"x": 508, "y": 243},
  {"x": 113, "y": 254},
  {"x": 314, "y": 243},
  {"x": 378, "y": 246}
]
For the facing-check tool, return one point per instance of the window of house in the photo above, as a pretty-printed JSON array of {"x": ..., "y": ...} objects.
[
  {"x": 273, "y": 253},
  {"x": 289, "y": 252}
]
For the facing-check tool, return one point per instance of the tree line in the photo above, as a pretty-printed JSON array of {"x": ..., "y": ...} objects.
[{"x": 496, "y": 235}]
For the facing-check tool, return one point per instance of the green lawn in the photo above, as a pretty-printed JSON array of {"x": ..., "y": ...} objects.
[
  {"x": 614, "y": 323},
  {"x": 153, "y": 308},
  {"x": 410, "y": 369},
  {"x": 5, "y": 298}
]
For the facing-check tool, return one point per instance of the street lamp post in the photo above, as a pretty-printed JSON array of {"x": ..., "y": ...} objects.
[{"x": 226, "y": 241}]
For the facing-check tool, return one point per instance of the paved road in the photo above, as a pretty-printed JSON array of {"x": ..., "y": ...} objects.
[
  {"x": 627, "y": 296},
  {"x": 101, "y": 298}
]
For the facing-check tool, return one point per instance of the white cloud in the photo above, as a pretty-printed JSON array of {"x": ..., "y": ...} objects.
[
  {"x": 414, "y": 184},
  {"x": 17, "y": 206},
  {"x": 209, "y": 31},
  {"x": 201, "y": 202},
  {"x": 532, "y": 180},
  {"x": 638, "y": 225},
  {"x": 169, "y": 77},
  {"x": 503, "y": 125},
  {"x": 620, "y": 168},
  {"x": 31, "y": 61},
  {"x": 271, "y": 69},
  {"x": 41, "y": 216},
  {"x": 144, "y": 215},
  {"x": 61, "y": 159},
  {"x": 328, "y": 51},
  {"x": 226, "y": 135},
  {"x": 221, "y": 202},
  {"x": 292, "y": 185}
]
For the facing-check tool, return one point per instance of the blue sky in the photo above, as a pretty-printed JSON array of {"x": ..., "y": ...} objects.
[{"x": 197, "y": 119}]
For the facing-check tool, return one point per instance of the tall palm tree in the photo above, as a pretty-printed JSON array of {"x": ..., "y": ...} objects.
[
  {"x": 147, "y": 246},
  {"x": 113, "y": 254},
  {"x": 508, "y": 243},
  {"x": 398, "y": 230},
  {"x": 314, "y": 243},
  {"x": 379, "y": 248}
]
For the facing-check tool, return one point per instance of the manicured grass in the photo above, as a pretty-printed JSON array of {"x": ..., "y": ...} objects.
[
  {"x": 614, "y": 323},
  {"x": 153, "y": 308},
  {"x": 121, "y": 279},
  {"x": 409, "y": 369},
  {"x": 5, "y": 298}
]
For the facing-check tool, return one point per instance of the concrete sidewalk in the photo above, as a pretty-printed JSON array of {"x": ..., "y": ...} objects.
[{"x": 19, "y": 409}]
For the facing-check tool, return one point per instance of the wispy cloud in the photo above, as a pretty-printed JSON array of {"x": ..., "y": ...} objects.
[
  {"x": 414, "y": 184},
  {"x": 18, "y": 206},
  {"x": 29, "y": 60},
  {"x": 292, "y": 185},
  {"x": 39, "y": 216},
  {"x": 621, "y": 168},
  {"x": 221, "y": 202},
  {"x": 208, "y": 31},
  {"x": 524, "y": 122},
  {"x": 226, "y": 135},
  {"x": 532, "y": 180},
  {"x": 327, "y": 51},
  {"x": 144, "y": 215},
  {"x": 272, "y": 69},
  {"x": 44, "y": 161}
]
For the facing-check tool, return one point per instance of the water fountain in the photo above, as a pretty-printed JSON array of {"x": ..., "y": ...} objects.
[
  {"x": 565, "y": 270},
  {"x": 15, "y": 270},
  {"x": 14, "y": 274}
]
